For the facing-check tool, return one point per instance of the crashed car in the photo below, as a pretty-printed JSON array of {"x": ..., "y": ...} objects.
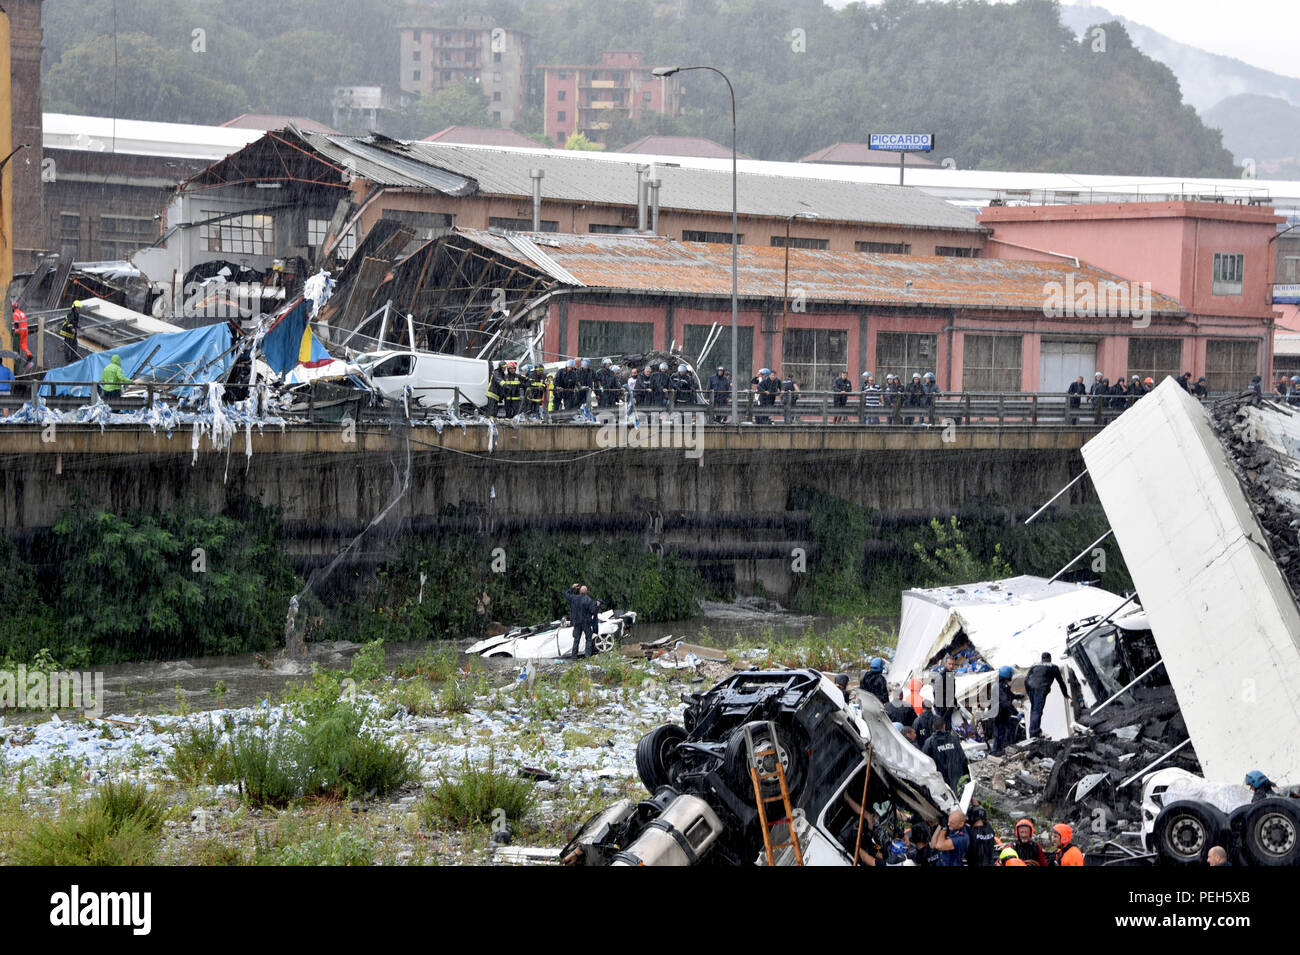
[
  {"x": 555, "y": 639},
  {"x": 703, "y": 808}
]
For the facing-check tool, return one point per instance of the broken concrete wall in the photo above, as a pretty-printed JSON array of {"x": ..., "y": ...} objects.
[{"x": 1221, "y": 612}]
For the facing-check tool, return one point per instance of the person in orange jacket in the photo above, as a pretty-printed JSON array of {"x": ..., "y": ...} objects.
[
  {"x": 1026, "y": 845},
  {"x": 1067, "y": 853},
  {"x": 1009, "y": 858}
]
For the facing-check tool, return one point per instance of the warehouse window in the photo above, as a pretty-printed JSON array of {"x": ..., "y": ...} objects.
[
  {"x": 722, "y": 238},
  {"x": 600, "y": 339},
  {"x": 1230, "y": 364},
  {"x": 884, "y": 248},
  {"x": 697, "y": 336},
  {"x": 425, "y": 225},
  {"x": 1228, "y": 269},
  {"x": 317, "y": 229},
  {"x": 522, "y": 225},
  {"x": 991, "y": 362},
  {"x": 799, "y": 242},
  {"x": 814, "y": 357},
  {"x": 1155, "y": 358},
  {"x": 956, "y": 251},
  {"x": 247, "y": 234},
  {"x": 904, "y": 353}
]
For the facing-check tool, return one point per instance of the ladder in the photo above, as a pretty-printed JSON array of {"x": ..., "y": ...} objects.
[{"x": 765, "y": 765}]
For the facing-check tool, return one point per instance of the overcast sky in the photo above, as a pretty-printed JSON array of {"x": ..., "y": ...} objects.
[{"x": 1263, "y": 33}]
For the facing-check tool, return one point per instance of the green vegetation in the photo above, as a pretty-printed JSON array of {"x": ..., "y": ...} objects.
[
  {"x": 529, "y": 587},
  {"x": 835, "y": 582},
  {"x": 480, "y": 794},
  {"x": 143, "y": 585},
  {"x": 328, "y": 757},
  {"x": 119, "y": 825},
  {"x": 1004, "y": 86}
]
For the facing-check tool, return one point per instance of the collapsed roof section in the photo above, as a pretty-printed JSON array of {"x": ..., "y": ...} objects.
[{"x": 1221, "y": 612}]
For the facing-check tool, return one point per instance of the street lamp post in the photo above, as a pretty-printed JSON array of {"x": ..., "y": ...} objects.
[
  {"x": 785, "y": 298},
  {"x": 665, "y": 71}
]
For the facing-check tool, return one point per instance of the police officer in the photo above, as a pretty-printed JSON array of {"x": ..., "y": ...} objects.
[
  {"x": 683, "y": 386},
  {"x": 607, "y": 384},
  {"x": 789, "y": 396},
  {"x": 586, "y": 381},
  {"x": 873, "y": 680},
  {"x": 720, "y": 389},
  {"x": 945, "y": 749},
  {"x": 1038, "y": 684},
  {"x": 566, "y": 385},
  {"x": 661, "y": 383},
  {"x": 983, "y": 840},
  {"x": 931, "y": 388},
  {"x": 841, "y": 386}
]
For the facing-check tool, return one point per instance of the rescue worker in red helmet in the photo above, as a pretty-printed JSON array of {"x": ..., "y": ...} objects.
[
  {"x": 1067, "y": 853},
  {"x": 1026, "y": 845}
]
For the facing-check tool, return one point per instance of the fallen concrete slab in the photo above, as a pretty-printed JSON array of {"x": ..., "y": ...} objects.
[{"x": 1221, "y": 612}]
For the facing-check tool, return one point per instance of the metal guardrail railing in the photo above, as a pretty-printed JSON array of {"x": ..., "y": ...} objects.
[{"x": 809, "y": 409}]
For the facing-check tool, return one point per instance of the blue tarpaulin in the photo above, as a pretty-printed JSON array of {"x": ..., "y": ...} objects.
[
  {"x": 192, "y": 357},
  {"x": 290, "y": 343}
]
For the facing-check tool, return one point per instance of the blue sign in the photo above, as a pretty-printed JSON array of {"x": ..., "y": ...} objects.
[
  {"x": 903, "y": 142},
  {"x": 1286, "y": 294}
]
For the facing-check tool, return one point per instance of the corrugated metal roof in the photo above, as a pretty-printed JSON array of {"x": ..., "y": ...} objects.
[
  {"x": 608, "y": 179},
  {"x": 666, "y": 266},
  {"x": 389, "y": 165}
]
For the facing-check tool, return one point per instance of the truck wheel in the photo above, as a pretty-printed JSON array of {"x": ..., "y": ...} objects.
[
  {"x": 737, "y": 763},
  {"x": 1185, "y": 830},
  {"x": 1270, "y": 833},
  {"x": 655, "y": 755}
]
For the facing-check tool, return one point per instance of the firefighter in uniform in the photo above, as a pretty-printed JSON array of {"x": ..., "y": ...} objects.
[
  {"x": 68, "y": 332},
  {"x": 512, "y": 390}
]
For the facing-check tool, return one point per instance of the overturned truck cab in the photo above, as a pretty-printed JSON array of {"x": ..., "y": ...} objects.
[{"x": 704, "y": 809}]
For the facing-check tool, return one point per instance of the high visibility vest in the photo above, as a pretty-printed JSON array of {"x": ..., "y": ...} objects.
[{"x": 550, "y": 392}]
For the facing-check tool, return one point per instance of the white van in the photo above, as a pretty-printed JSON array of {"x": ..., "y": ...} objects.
[{"x": 432, "y": 377}]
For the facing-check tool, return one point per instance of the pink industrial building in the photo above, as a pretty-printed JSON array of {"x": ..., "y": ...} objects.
[{"x": 1216, "y": 259}]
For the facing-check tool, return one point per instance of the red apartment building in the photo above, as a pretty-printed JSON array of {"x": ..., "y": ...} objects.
[
  {"x": 586, "y": 99},
  {"x": 473, "y": 50}
]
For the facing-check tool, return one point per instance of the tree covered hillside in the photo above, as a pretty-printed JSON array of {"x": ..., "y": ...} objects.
[{"x": 1003, "y": 86}]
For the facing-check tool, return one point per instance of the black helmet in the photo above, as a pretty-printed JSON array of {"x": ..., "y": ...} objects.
[{"x": 977, "y": 814}]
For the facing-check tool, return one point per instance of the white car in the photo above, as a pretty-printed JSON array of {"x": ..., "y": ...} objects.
[
  {"x": 555, "y": 639},
  {"x": 432, "y": 377}
]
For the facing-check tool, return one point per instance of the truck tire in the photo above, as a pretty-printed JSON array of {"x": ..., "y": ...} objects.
[
  {"x": 655, "y": 755},
  {"x": 1185, "y": 830},
  {"x": 737, "y": 763},
  {"x": 1270, "y": 833}
]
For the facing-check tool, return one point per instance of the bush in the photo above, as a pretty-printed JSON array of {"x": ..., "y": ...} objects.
[
  {"x": 330, "y": 848},
  {"x": 117, "y": 826},
  {"x": 330, "y": 757},
  {"x": 475, "y": 796},
  {"x": 198, "y": 755},
  {"x": 130, "y": 803}
]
